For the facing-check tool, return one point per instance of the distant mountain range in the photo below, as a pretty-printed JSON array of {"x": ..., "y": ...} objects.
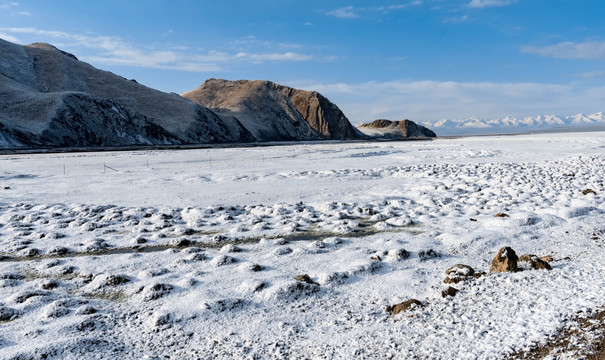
[{"x": 513, "y": 125}]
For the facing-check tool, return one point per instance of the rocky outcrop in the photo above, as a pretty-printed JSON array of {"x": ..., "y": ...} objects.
[
  {"x": 403, "y": 129},
  {"x": 322, "y": 115},
  {"x": 50, "y": 99},
  {"x": 275, "y": 112}
]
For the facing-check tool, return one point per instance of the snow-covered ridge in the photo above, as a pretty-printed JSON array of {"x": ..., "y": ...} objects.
[{"x": 511, "y": 124}]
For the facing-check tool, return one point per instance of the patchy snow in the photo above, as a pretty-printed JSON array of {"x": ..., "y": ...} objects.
[{"x": 194, "y": 254}]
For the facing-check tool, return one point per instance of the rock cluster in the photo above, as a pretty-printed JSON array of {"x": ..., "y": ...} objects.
[{"x": 506, "y": 260}]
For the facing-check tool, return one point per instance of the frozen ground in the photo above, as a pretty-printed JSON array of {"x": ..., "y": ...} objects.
[{"x": 193, "y": 254}]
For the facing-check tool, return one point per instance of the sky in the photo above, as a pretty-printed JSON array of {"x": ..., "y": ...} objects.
[{"x": 423, "y": 60}]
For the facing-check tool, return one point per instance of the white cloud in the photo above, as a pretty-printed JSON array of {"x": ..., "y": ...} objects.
[
  {"x": 592, "y": 74},
  {"x": 344, "y": 13},
  {"x": 350, "y": 12},
  {"x": 287, "y": 56},
  {"x": 488, "y": 3},
  {"x": 109, "y": 50},
  {"x": 570, "y": 50},
  {"x": 434, "y": 100},
  {"x": 8, "y": 37},
  {"x": 456, "y": 19}
]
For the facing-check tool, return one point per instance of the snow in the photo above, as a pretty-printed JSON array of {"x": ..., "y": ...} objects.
[{"x": 193, "y": 254}]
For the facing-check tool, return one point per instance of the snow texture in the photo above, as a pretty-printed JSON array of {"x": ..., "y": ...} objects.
[{"x": 194, "y": 254}]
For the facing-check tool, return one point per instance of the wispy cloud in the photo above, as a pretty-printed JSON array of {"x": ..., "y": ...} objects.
[
  {"x": 454, "y": 20},
  {"x": 8, "y": 5},
  {"x": 351, "y": 12},
  {"x": 108, "y": 50},
  {"x": 592, "y": 74},
  {"x": 435, "y": 100},
  {"x": 594, "y": 50},
  {"x": 489, "y": 3},
  {"x": 8, "y": 37},
  {"x": 287, "y": 56},
  {"x": 347, "y": 12}
]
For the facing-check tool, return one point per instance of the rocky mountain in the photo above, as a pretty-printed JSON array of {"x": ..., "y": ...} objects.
[
  {"x": 516, "y": 125},
  {"x": 403, "y": 129},
  {"x": 272, "y": 112},
  {"x": 50, "y": 99}
]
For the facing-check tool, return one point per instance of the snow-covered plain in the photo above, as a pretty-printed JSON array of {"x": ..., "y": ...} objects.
[{"x": 193, "y": 254}]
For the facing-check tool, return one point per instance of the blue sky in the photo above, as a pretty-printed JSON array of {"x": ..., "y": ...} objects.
[{"x": 419, "y": 59}]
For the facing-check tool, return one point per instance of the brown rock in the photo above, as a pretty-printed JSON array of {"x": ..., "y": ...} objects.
[
  {"x": 460, "y": 270},
  {"x": 539, "y": 264},
  {"x": 502, "y": 215},
  {"x": 450, "y": 291},
  {"x": 453, "y": 280},
  {"x": 536, "y": 263},
  {"x": 404, "y": 306},
  {"x": 458, "y": 273},
  {"x": 589, "y": 191},
  {"x": 505, "y": 260},
  {"x": 304, "y": 278},
  {"x": 526, "y": 257}
]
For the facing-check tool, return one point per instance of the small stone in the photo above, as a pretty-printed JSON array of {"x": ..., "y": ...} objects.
[
  {"x": 589, "y": 191},
  {"x": 473, "y": 219},
  {"x": 450, "y": 291},
  {"x": 504, "y": 261},
  {"x": 404, "y": 306},
  {"x": 460, "y": 270},
  {"x": 304, "y": 278},
  {"x": 375, "y": 258},
  {"x": 501, "y": 215}
]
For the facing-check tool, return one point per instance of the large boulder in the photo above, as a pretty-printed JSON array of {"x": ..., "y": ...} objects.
[{"x": 504, "y": 261}]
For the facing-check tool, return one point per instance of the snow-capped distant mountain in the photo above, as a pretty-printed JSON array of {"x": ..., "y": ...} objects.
[{"x": 508, "y": 125}]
